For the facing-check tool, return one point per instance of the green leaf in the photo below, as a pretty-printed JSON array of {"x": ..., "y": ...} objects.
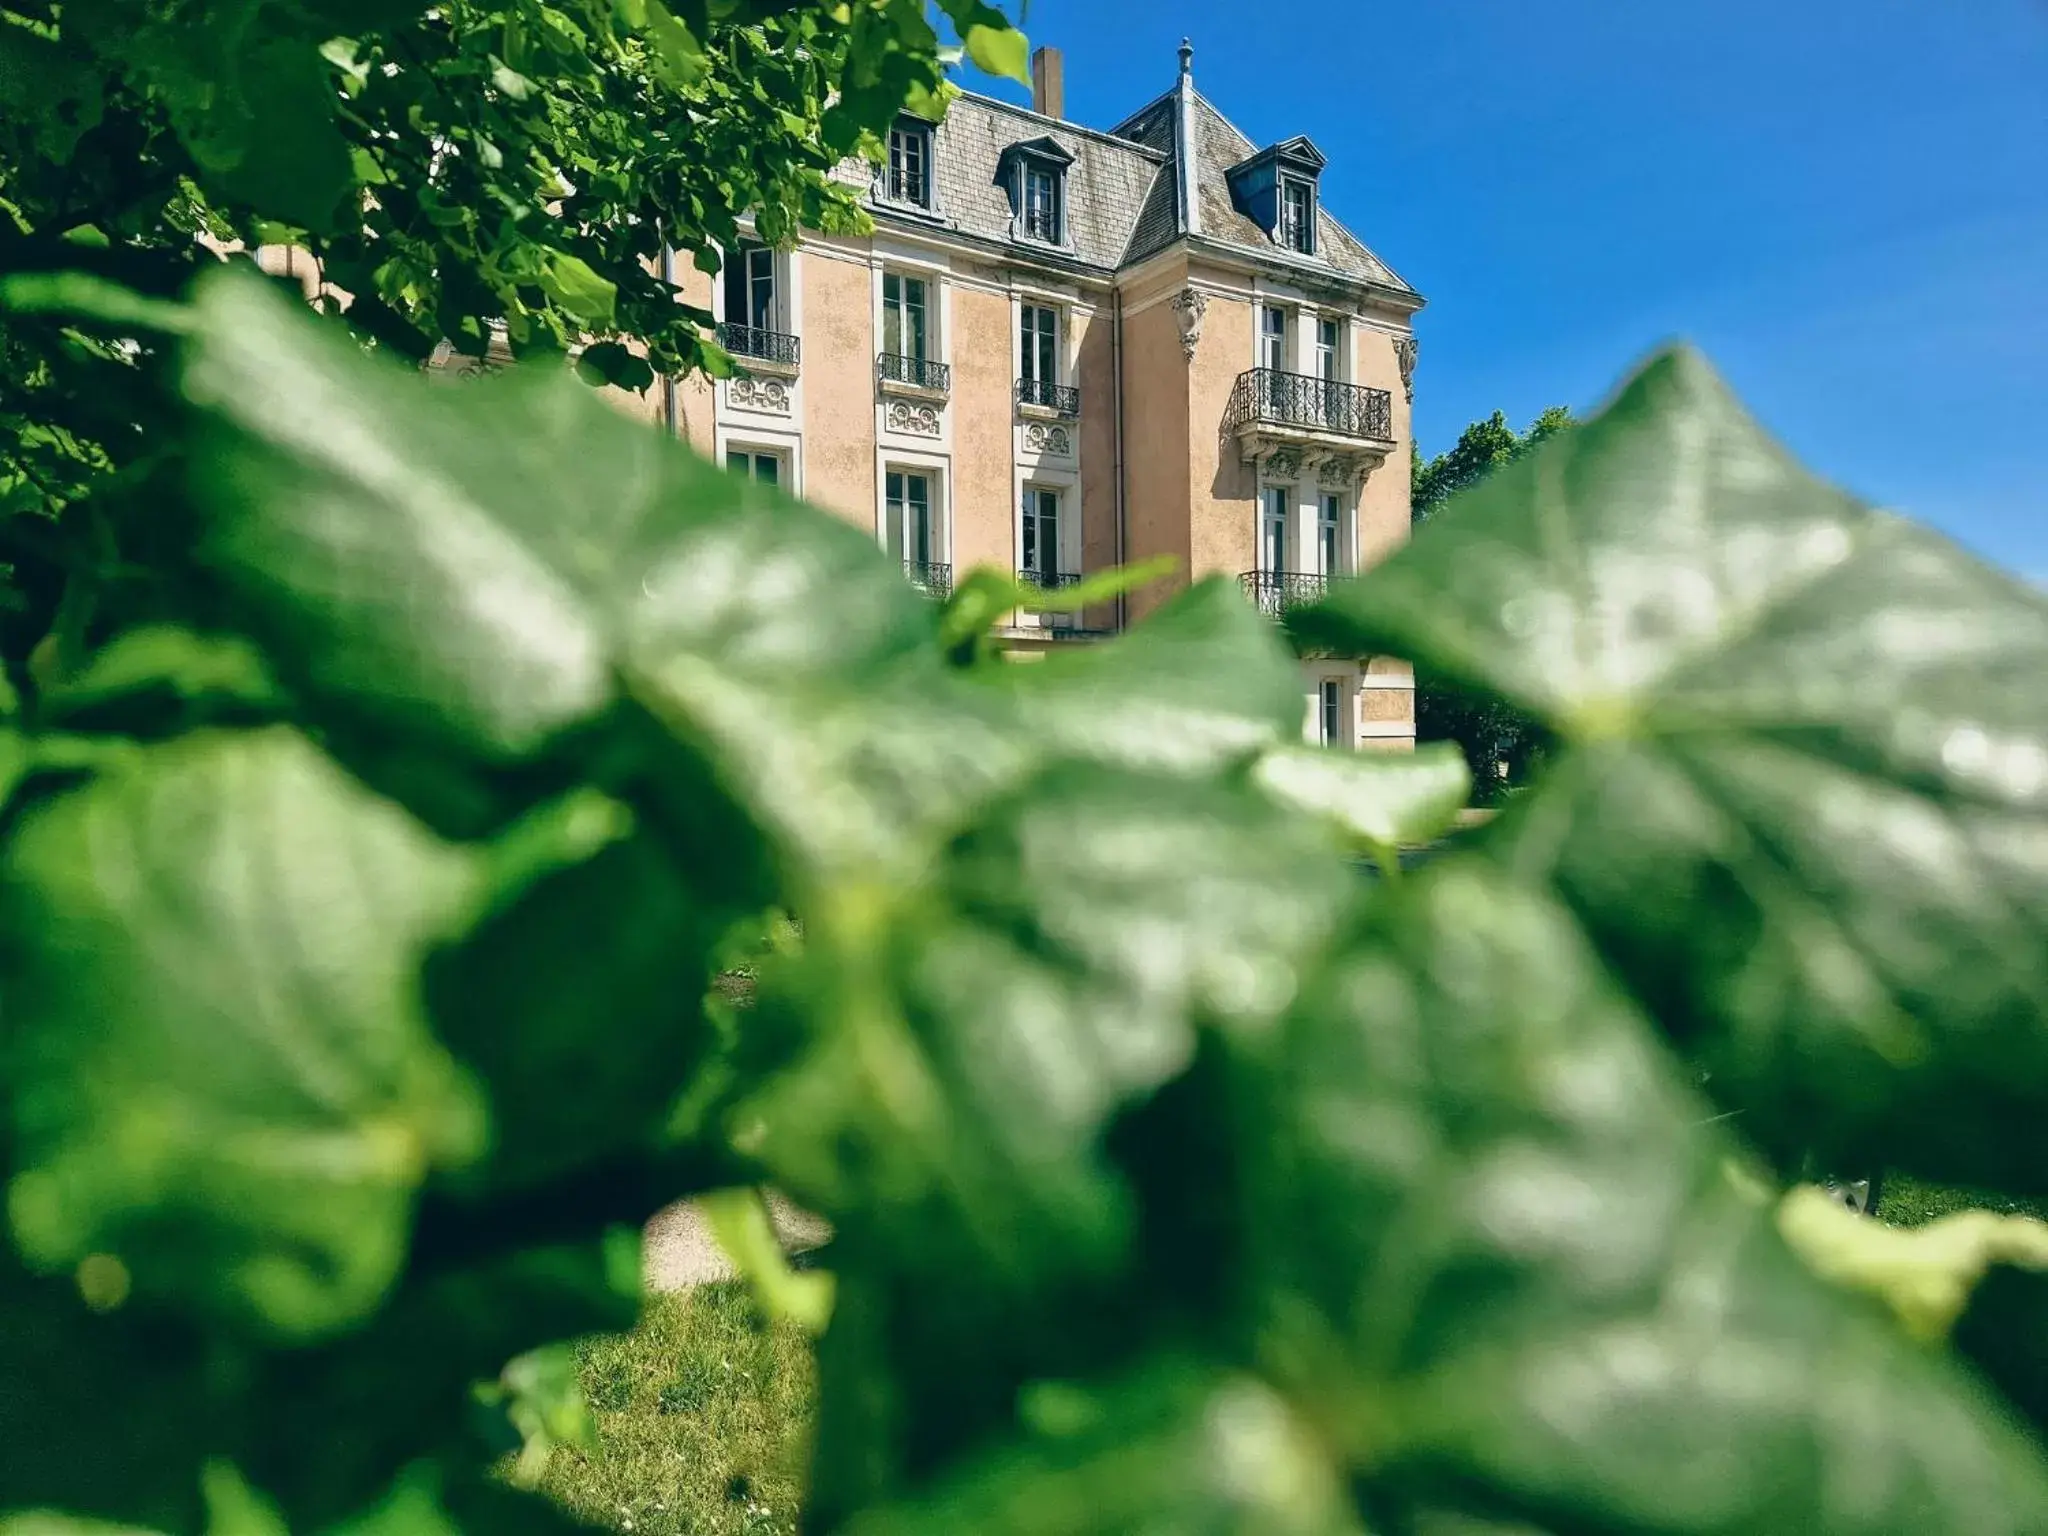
[
  {"x": 219, "y": 1071},
  {"x": 614, "y": 363},
  {"x": 1182, "y": 1447},
  {"x": 1497, "y": 1251},
  {"x": 1387, "y": 800},
  {"x": 578, "y": 1006},
  {"x": 480, "y": 576},
  {"x": 1923, "y": 1275},
  {"x": 1001, "y": 51},
  {"x": 161, "y": 674},
  {"x": 1802, "y": 798},
  {"x": 575, "y": 285},
  {"x": 105, "y": 1413},
  {"x": 407, "y": 1383},
  {"x": 91, "y": 298},
  {"x": 1202, "y": 683},
  {"x": 973, "y": 1043}
]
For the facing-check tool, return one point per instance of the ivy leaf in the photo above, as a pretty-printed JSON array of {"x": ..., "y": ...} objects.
[
  {"x": 1923, "y": 1275},
  {"x": 1202, "y": 683},
  {"x": 475, "y": 566},
  {"x": 1498, "y": 1253},
  {"x": 404, "y": 1383},
  {"x": 1387, "y": 801},
  {"x": 105, "y": 1412},
  {"x": 974, "y": 1044},
  {"x": 219, "y": 1074},
  {"x": 160, "y": 677},
  {"x": 1180, "y": 1447},
  {"x": 581, "y": 1043},
  {"x": 1802, "y": 805}
]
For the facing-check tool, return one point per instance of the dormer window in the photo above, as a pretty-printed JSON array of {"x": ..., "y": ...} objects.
[
  {"x": 1276, "y": 189},
  {"x": 1298, "y": 215},
  {"x": 1041, "y": 202},
  {"x": 909, "y": 177},
  {"x": 1035, "y": 176}
]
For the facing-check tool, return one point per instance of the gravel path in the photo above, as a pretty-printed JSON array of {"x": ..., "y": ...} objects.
[{"x": 678, "y": 1250}]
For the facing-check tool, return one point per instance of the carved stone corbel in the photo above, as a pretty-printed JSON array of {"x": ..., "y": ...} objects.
[
  {"x": 1189, "y": 307},
  {"x": 1405, "y": 348}
]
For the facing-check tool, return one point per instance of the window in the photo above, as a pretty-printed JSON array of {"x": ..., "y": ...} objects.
[
  {"x": 1041, "y": 202},
  {"x": 1298, "y": 217},
  {"x": 750, "y": 288},
  {"x": 1039, "y": 346},
  {"x": 1332, "y": 713},
  {"x": 1273, "y": 528},
  {"x": 1041, "y": 534},
  {"x": 1273, "y": 338},
  {"x": 762, "y": 468},
  {"x": 1330, "y": 350},
  {"x": 1330, "y": 535},
  {"x": 904, "y": 332},
  {"x": 910, "y": 164},
  {"x": 908, "y": 509}
]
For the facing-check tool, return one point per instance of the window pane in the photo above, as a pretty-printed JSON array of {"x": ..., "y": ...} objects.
[
  {"x": 736, "y": 461},
  {"x": 767, "y": 469},
  {"x": 913, "y": 336},
  {"x": 735, "y": 281}
]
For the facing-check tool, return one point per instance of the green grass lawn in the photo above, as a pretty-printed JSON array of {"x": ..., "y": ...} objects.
[
  {"x": 703, "y": 1416},
  {"x": 1909, "y": 1202}
]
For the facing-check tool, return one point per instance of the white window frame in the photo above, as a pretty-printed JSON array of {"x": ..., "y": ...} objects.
[
  {"x": 1276, "y": 517},
  {"x": 765, "y": 268},
  {"x": 1030, "y": 513},
  {"x": 910, "y": 140},
  {"x": 1297, "y": 235},
  {"x": 1331, "y": 697},
  {"x": 928, "y": 290},
  {"x": 1332, "y": 547},
  {"x": 1033, "y": 339},
  {"x": 1329, "y": 349},
  {"x": 1283, "y": 337},
  {"x": 754, "y": 453},
  {"x": 1051, "y": 227},
  {"x": 939, "y": 540}
]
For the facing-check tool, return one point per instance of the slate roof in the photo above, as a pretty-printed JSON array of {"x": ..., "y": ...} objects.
[
  {"x": 1122, "y": 190},
  {"x": 1217, "y": 147},
  {"x": 1107, "y": 184}
]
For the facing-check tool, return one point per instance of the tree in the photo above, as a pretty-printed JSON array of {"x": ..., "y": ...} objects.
[
  {"x": 1500, "y": 743},
  {"x": 476, "y": 164}
]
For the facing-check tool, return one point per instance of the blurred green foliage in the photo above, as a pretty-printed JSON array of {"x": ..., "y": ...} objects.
[{"x": 357, "y": 928}]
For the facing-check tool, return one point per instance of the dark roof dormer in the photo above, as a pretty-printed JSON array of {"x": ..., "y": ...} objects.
[
  {"x": 1276, "y": 189},
  {"x": 1034, "y": 173}
]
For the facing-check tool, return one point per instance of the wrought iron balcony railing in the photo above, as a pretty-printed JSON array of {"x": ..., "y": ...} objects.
[
  {"x": 1049, "y": 581},
  {"x": 917, "y": 372},
  {"x": 1274, "y": 592},
  {"x": 767, "y": 346},
  {"x": 930, "y": 577},
  {"x": 1063, "y": 398},
  {"x": 1320, "y": 405}
]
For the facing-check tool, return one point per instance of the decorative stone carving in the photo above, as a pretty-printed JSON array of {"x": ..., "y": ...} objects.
[
  {"x": 1283, "y": 464},
  {"x": 1346, "y": 471},
  {"x": 917, "y": 420},
  {"x": 1405, "y": 348},
  {"x": 752, "y": 394},
  {"x": 1188, "y": 308},
  {"x": 1042, "y": 438}
]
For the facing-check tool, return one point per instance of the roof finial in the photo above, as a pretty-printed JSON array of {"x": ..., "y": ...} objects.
[{"x": 1187, "y": 57}]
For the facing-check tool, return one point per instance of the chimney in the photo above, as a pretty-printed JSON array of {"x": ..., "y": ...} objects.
[{"x": 1049, "y": 83}]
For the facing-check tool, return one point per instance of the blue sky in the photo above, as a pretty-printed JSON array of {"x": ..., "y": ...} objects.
[{"x": 1843, "y": 202}]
